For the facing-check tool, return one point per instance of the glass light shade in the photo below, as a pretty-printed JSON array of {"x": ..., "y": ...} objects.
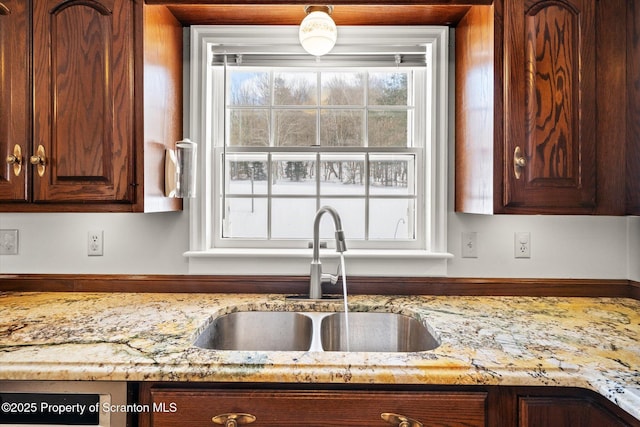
[{"x": 318, "y": 33}]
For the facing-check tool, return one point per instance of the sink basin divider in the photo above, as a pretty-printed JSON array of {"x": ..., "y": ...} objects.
[{"x": 316, "y": 319}]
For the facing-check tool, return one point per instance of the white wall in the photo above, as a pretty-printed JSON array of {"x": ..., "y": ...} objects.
[
  {"x": 561, "y": 246},
  {"x": 633, "y": 260},
  {"x": 133, "y": 243}
]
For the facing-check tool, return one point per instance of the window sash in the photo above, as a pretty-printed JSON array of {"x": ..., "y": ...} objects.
[
  {"x": 266, "y": 195},
  {"x": 271, "y": 109},
  {"x": 416, "y": 139}
]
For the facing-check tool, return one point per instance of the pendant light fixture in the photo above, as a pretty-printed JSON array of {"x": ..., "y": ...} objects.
[{"x": 318, "y": 32}]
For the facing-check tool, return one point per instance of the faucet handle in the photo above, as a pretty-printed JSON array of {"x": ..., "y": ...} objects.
[{"x": 331, "y": 278}]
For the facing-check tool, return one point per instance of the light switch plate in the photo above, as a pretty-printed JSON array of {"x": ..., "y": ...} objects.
[
  {"x": 469, "y": 244},
  {"x": 8, "y": 242}
]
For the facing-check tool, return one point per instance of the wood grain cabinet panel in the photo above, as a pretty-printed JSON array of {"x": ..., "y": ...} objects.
[
  {"x": 564, "y": 412},
  {"x": 550, "y": 110},
  {"x": 633, "y": 109},
  {"x": 80, "y": 84},
  {"x": 14, "y": 98},
  {"x": 83, "y": 114},
  {"x": 316, "y": 408}
]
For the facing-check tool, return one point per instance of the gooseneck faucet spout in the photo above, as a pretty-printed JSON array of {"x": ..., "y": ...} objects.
[{"x": 317, "y": 277}]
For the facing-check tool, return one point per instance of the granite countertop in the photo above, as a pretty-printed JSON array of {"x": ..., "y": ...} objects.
[{"x": 592, "y": 343}]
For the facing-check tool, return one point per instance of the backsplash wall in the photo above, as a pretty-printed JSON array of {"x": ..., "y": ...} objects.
[
  {"x": 633, "y": 260},
  {"x": 561, "y": 246},
  {"x": 133, "y": 243}
]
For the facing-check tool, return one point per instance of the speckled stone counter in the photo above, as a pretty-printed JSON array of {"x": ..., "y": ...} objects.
[{"x": 592, "y": 343}]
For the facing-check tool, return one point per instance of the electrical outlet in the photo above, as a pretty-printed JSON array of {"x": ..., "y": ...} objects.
[
  {"x": 469, "y": 244},
  {"x": 522, "y": 244},
  {"x": 95, "y": 243},
  {"x": 8, "y": 242}
]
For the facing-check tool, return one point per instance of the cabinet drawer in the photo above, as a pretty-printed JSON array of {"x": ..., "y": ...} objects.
[{"x": 317, "y": 408}]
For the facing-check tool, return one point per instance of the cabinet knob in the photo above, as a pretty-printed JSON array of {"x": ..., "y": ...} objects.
[
  {"x": 15, "y": 159},
  {"x": 39, "y": 160},
  {"x": 400, "y": 420},
  {"x": 519, "y": 162},
  {"x": 233, "y": 420}
]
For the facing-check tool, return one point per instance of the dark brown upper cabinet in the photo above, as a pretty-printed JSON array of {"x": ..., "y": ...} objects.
[
  {"x": 15, "y": 104},
  {"x": 550, "y": 109},
  {"x": 94, "y": 134},
  {"x": 633, "y": 109},
  {"x": 547, "y": 89},
  {"x": 541, "y": 107},
  {"x": 83, "y": 109}
]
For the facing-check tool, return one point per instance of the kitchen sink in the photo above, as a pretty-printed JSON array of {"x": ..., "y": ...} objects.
[
  {"x": 384, "y": 332},
  {"x": 316, "y": 331},
  {"x": 258, "y": 331}
]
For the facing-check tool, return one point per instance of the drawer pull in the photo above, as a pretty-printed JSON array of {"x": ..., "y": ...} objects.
[
  {"x": 400, "y": 420},
  {"x": 233, "y": 420}
]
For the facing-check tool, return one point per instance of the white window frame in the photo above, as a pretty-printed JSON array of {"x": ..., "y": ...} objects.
[{"x": 206, "y": 258}]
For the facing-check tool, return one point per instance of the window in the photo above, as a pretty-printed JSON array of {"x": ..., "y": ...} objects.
[
  {"x": 300, "y": 138},
  {"x": 362, "y": 129}
]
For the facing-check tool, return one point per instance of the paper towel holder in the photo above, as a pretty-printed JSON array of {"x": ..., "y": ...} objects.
[{"x": 180, "y": 170}]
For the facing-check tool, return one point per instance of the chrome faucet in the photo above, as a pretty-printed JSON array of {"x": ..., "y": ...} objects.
[{"x": 317, "y": 277}]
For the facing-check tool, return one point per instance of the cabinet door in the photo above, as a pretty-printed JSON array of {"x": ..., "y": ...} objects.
[
  {"x": 564, "y": 412},
  {"x": 83, "y": 100},
  {"x": 316, "y": 408},
  {"x": 550, "y": 111},
  {"x": 15, "y": 103},
  {"x": 633, "y": 123}
]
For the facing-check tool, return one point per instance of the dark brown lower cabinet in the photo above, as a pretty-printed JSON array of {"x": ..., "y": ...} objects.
[
  {"x": 540, "y": 411},
  {"x": 197, "y": 404},
  {"x": 318, "y": 408}
]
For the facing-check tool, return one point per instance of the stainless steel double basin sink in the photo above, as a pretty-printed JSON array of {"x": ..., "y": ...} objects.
[{"x": 316, "y": 331}]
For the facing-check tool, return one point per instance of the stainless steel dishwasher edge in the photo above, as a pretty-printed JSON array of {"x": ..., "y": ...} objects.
[{"x": 60, "y": 403}]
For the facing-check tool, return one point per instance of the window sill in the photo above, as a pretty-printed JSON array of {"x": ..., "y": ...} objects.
[{"x": 359, "y": 262}]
